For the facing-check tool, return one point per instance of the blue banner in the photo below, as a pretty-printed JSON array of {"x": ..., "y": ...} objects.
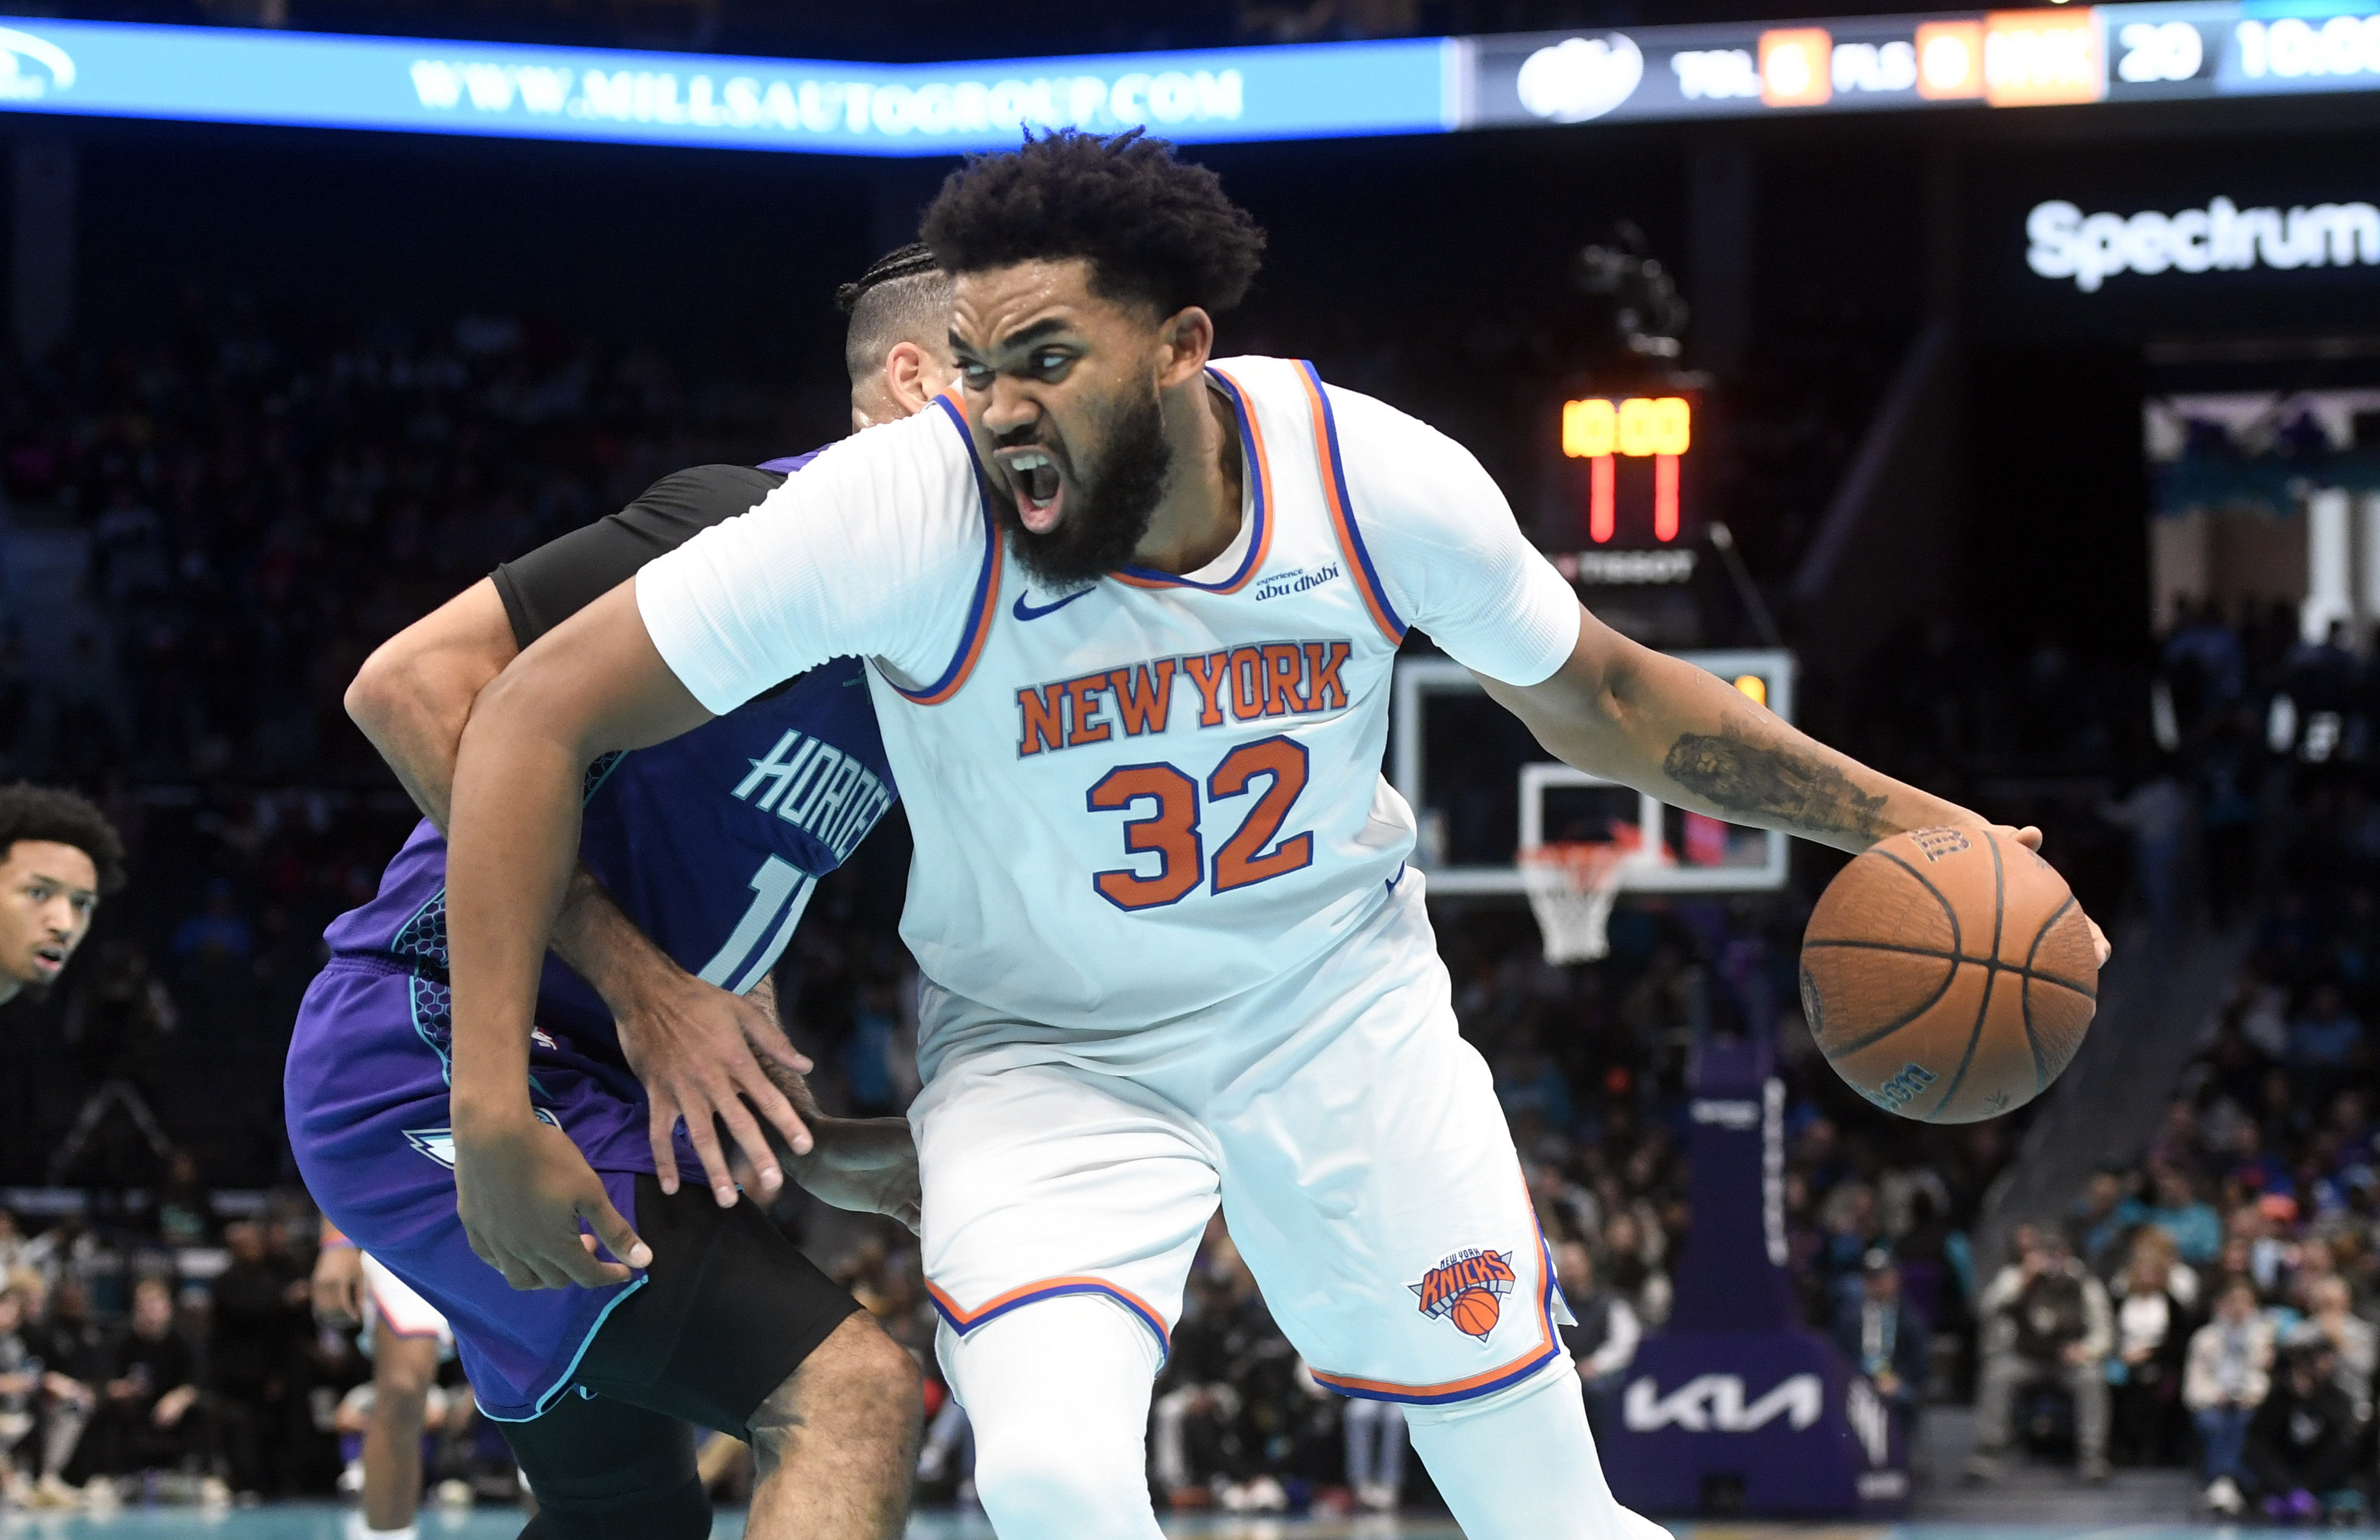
[
  {"x": 421, "y": 86},
  {"x": 2174, "y": 50}
]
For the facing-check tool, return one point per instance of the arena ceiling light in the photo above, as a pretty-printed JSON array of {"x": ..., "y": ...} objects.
[{"x": 2197, "y": 49}]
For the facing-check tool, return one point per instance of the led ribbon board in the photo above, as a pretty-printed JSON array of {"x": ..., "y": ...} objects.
[
  {"x": 2194, "y": 50},
  {"x": 423, "y": 86},
  {"x": 2208, "y": 48}
]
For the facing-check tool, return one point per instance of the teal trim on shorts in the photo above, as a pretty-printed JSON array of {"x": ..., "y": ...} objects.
[{"x": 561, "y": 1386}]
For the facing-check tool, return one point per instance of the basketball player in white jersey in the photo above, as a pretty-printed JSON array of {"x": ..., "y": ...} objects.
[{"x": 1131, "y": 614}]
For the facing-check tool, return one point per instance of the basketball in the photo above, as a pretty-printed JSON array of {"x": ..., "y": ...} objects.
[
  {"x": 1476, "y": 1312},
  {"x": 1948, "y": 974}
]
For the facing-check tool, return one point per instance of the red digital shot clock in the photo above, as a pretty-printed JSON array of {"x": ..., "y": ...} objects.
[{"x": 1605, "y": 431}]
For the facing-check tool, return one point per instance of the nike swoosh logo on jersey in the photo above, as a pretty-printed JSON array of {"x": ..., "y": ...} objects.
[{"x": 1035, "y": 612}]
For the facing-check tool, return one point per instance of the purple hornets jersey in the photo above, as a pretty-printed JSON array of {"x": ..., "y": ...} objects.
[{"x": 711, "y": 843}]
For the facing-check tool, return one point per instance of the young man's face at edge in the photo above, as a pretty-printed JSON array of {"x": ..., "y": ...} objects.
[{"x": 48, "y": 893}]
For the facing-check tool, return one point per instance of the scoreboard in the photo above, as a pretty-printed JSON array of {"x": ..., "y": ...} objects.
[{"x": 1625, "y": 467}]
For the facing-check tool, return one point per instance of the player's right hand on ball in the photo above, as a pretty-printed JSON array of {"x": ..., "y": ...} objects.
[
  {"x": 522, "y": 1188},
  {"x": 338, "y": 1286},
  {"x": 2029, "y": 837}
]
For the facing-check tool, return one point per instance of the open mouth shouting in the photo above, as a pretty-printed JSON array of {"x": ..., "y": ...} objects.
[{"x": 1040, "y": 487}]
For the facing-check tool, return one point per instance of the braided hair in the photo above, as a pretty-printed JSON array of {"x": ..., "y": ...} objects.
[
  {"x": 901, "y": 262},
  {"x": 903, "y": 297}
]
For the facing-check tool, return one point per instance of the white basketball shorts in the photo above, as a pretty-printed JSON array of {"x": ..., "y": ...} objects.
[
  {"x": 1352, "y": 1137},
  {"x": 391, "y": 1306}
]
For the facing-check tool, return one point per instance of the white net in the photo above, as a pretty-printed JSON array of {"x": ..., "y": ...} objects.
[{"x": 1572, "y": 887}]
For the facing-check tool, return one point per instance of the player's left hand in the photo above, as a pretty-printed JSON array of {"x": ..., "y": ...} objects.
[
  {"x": 697, "y": 1048},
  {"x": 2029, "y": 837},
  {"x": 522, "y": 1189},
  {"x": 868, "y": 1165}
]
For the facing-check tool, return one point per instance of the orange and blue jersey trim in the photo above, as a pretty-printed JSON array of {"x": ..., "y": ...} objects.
[
  {"x": 1260, "y": 515},
  {"x": 1343, "y": 511},
  {"x": 1486, "y": 1382},
  {"x": 965, "y": 1321},
  {"x": 987, "y": 582}
]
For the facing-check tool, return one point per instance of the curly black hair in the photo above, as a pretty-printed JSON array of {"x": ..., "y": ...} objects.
[
  {"x": 30, "y": 812},
  {"x": 1156, "y": 230}
]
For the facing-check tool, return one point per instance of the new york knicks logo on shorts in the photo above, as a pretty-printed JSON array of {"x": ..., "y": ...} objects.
[{"x": 1467, "y": 1288}]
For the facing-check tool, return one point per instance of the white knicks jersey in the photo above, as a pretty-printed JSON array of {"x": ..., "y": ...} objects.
[{"x": 1134, "y": 799}]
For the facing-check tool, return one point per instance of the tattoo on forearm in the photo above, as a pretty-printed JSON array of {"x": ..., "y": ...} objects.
[{"x": 1740, "y": 776}]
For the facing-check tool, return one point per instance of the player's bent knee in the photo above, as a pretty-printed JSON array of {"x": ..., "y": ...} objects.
[
  {"x": 859, "y": 1387},
  {"x": 1037, "y": 1480},
  {"x": 1556, "y": 1376},
  {"x": 1057, "y": 1395},
  {"x": 870, "y": 1379},
  {"x": 602, "y": 1470},
  {"x": 404, "y": 1366}
]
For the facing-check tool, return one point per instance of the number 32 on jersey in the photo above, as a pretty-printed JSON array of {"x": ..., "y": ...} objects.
[{"x": 1170, "y": 830}]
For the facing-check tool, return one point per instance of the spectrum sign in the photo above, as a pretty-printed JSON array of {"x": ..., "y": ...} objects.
[
  {"x": 2209, "y": 49},
  {"x": 2223, "y": 236}
]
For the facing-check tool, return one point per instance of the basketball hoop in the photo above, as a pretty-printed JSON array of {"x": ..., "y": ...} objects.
[{"x": 1571, "y": 886}]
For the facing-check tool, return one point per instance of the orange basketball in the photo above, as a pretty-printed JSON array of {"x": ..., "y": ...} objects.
[
  {"x": 1476, "y": 1310},
  {"x": 1949, "y": 974}
]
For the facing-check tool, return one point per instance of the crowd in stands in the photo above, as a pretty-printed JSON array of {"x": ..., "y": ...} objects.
[
  {"x": 2212, "y": 1299},
  {"x": 261, "y": 503},
  {"x": 135, "y": 1362},
  {"x": 185, "y": 1363}
]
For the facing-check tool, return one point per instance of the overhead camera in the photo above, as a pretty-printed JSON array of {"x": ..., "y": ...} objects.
[{"x": 1649, "y": 314}]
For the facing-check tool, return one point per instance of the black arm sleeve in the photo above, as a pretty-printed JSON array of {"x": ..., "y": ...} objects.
[{"x": 564, "y": 576}]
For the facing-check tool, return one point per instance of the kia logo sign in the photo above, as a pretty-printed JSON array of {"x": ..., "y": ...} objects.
[
  {"x": 1736, "y": 1116},
  {"x": 1580, "y": 78},
  {"x": 1871, "y": 1421},
  {"x": 1715, "y": 1403}
]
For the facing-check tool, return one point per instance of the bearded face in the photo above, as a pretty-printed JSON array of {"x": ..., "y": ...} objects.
[{"x": 1081, "y": 509}]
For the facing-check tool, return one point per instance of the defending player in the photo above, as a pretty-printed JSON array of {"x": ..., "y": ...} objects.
[
  {"x": 1130, "y": 616},
  {"x": 407, "y": 1339},
  {"x": 709, "y": 847},
  {"x": 58, "y": 855}
]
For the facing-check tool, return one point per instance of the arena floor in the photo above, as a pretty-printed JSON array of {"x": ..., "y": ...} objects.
[{"x": 325, "y": 1522}]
